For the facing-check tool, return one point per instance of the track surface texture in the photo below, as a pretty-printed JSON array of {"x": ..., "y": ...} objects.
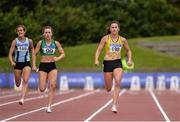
[{"x": 80, "y": 105}]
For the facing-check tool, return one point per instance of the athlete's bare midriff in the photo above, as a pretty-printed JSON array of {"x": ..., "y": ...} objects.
[
  {"x": 47, "y": 59},
  {"x": 112, "y": 56}
]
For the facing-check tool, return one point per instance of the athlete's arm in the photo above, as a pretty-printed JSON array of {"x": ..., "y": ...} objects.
[
  {"x": 99, "y": 49},
  {"x": 11, "y": 53},
  {"x": 32, "y": 50},
  {"x": 61, "y": 52},
  {"x": 129, "y": 53},
  {"x": 35, "y": 53}
]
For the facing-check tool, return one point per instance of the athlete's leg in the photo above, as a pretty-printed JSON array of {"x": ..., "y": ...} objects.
[
  {"x": 52, "y": 77},
  {"x": 117, "y": 73},
  {"x": 108, "y": 78},
  {"x": 17, "y": 75},
  {"x": 25, "y": 74},
  {"x": 42, "y": 80}
]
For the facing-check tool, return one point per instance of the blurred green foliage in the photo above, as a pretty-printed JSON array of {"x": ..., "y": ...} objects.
[{"x": 78, "y": 22}]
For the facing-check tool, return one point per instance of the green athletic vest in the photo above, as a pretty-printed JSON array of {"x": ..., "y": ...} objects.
[{"x": 48, "y": 49}]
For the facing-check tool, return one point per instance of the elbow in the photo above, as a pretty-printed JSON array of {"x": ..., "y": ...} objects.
[
  {"x": 129, "y": 50},
  {"x": 63, "y": 56}
]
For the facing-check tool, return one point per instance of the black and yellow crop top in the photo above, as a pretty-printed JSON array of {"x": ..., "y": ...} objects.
[{"x": 112, "y": 46}]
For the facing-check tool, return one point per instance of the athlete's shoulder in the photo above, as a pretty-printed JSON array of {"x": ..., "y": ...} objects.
[
  {"x": 105, "y": 38},
  {"x": 29, "y": 39},
  {"x": 16, "y": 39},
  {"x": 56, "y": 42},
  {"x": 13, "y": 41},
  {"x": 39, "y": 42},
  {"x": 123, "y": 38},
  {"x": 42, "y": 41}
]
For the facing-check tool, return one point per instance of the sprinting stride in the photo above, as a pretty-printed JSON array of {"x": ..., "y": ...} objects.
[
  {"x": 21, "y": 46},
  {"x": 47, "y": 68},
  {"x": 113, "y": 43}
]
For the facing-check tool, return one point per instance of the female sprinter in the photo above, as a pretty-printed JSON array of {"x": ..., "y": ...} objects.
[
  {"x": 47, "y": 67},
  {"x": 21, "y": 62},
  {"x": 113, "y": 43}
]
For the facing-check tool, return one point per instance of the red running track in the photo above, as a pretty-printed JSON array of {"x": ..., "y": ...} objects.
[{"x": 79, "y": 105}]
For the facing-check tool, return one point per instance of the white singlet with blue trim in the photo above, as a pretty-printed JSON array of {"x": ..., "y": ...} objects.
[{"x": 22, "y": 50}]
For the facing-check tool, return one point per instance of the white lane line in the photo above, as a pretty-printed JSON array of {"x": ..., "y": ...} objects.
[
  {"x": 33, "y": 98},
  {"x": 6, "y": 92},
  {"x": 17, "y": 94},
  {"x": 58, "y": 103},
  {"x": 10, "y": 95},
  {"x": 159, "y": 106},
  {"x": 103, "y": 107}
]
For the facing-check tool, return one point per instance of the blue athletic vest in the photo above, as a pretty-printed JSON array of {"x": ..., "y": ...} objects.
[{"x": 22, "y": 50}]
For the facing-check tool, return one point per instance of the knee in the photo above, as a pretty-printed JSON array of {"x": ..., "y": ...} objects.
[
  {"x": 25, "y": 82},
  {"x": 18, "y": 83},
  {"x": 53, "y": 86},
  {"x": 117, "y": 85},
  {"x": 42, "y": 89}
]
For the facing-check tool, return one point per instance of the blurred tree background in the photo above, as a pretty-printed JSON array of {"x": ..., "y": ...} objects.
[{"x": 78, "y": 22}]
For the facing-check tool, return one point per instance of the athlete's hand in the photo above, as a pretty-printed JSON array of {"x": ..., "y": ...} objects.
[
  {"x": 34, "y": 68},
  {"x": 96, "y": 63},
  {"x": 13, "y": 63},
  {"x": 56, "y": 59},
  {"x": 129, "y": 63}
]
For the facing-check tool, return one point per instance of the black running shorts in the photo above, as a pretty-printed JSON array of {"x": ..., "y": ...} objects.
[
  {"x": 21, "y": 65},
  {"x": 47, "y": 67},
  {"x": 110, "y": 65}
]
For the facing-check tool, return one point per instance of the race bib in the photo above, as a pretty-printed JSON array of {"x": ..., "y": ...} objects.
[
  {"x": 115, "y": 47},
  {"x": 48, "y": 50},
  {"x": 22, "y": 48}
]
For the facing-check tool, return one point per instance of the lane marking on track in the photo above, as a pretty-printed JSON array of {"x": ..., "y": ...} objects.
[
  {"x": 34, "y": 98},
  {"x": 10, "y": 95},
  {"x": 103, "y": 107},
  {"x": 159, "y": 106},
  {"x": 58, "y": 103},
  {"x": 17, "y": 94},
  {"x": 6, "y": 92}
]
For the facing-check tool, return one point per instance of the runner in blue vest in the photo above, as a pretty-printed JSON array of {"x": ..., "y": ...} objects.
[{"x": 21, "y": 46}]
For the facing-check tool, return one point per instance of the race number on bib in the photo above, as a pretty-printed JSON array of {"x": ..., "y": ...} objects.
[
  {"x": 48, "y": 50},
  {"x": 22, "y": 48},
  {"x": 115, "y": 47}
]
